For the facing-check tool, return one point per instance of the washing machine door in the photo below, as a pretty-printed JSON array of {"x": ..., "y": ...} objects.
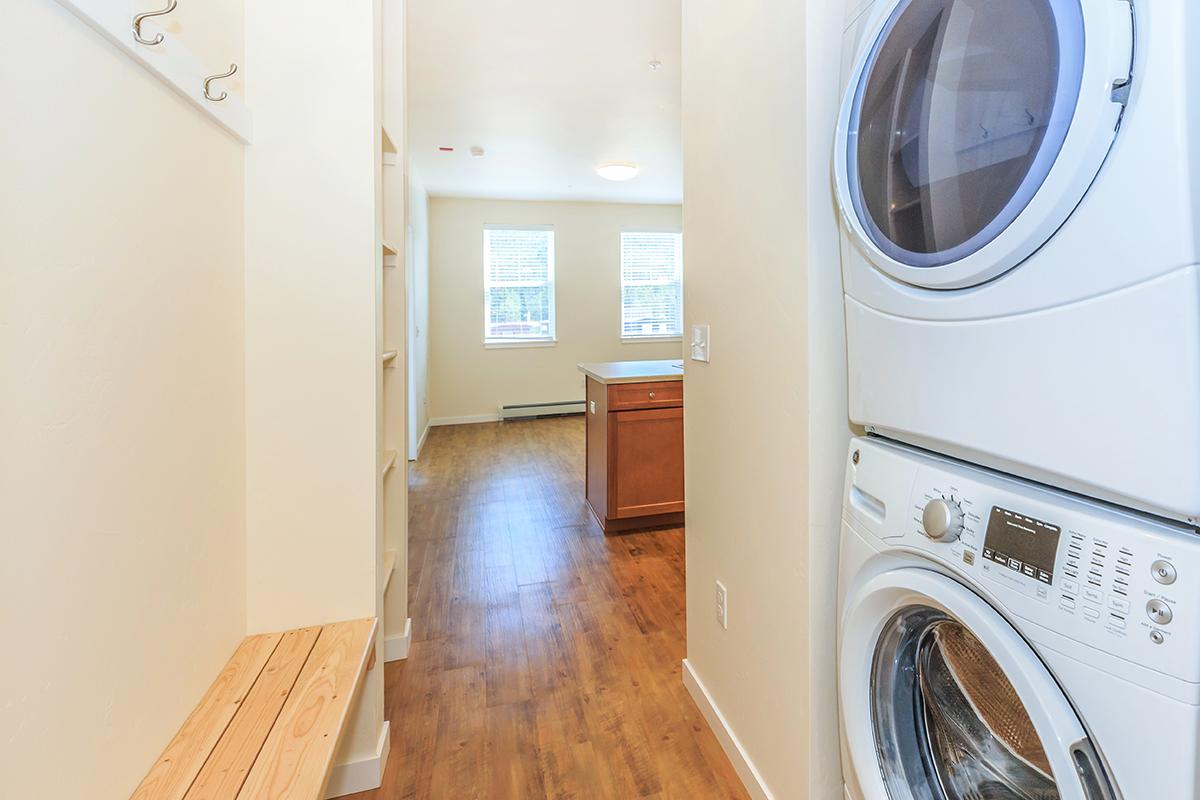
[
  {"x": 972, "y": 129},
  {"x": 943, "y": 700}
]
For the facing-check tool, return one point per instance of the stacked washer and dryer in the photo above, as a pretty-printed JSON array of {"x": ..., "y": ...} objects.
[{"x": 1019, "y": 599}]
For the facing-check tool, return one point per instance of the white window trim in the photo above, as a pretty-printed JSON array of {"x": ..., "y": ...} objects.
[
  {"x": 508, "y": 344},
  {"x": 500, "y": 343},
  {"x": 648, "y": 338}
]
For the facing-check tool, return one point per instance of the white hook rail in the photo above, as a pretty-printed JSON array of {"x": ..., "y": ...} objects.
[{"x": 168, "y": 60}]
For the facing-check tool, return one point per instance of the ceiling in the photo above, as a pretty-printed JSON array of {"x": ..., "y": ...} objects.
[{"x": 549, "y": 89}]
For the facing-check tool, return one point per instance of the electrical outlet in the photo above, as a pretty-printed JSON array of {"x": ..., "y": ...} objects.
[
  {"x": 722, "y": 606},
  {"x": 699, "y": 348}
]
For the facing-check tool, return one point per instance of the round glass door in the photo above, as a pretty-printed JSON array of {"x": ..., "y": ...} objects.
[
  {"x": 960, "y": 110},
  {"x": 948, "y": 723}
]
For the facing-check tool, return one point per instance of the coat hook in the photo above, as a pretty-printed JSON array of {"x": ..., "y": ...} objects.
[
  {"x": 211, "y": 78},
  {"x": 137, "y": 24}
]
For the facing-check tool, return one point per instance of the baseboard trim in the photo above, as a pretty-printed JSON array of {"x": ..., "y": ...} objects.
[
  {"x": 395, "y": 647},
  {"x": 737, "y": 754},
  {"x": 364, "y": 774},
  {"x": 421, "y": 442},
  {"x": 470, "y": 419}
]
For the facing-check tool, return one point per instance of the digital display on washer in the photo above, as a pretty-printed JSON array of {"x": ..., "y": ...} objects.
[{"x": 1023, "y": 544}]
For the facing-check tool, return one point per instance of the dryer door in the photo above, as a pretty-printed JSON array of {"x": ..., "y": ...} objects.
[
  {"x": 971, "y": 129},
  {"x": 943, "y": 700}
]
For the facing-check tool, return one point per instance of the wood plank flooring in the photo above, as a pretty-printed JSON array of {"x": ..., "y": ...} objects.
[{"x": 545, "y": 660}]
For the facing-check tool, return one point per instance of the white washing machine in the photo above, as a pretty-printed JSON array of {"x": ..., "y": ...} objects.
[
  {"x": 1020, "y": 188},
  {"x": 1005, "y": 641}
]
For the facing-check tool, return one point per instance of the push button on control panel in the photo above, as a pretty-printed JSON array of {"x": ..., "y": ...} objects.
[
  {"x": 1163, "y": 572},
  {"x": 1159, "y": 612}
]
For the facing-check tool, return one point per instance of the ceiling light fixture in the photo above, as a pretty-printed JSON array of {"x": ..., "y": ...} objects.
[
  {"x": 617, "y": 170},
  {"x": 477, "y": 152},
  {"x": 655, "y": 65}
]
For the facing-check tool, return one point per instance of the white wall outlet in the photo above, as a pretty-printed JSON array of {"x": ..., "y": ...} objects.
[
  {"x": 592, "y": 406},
  {"x": 722, "y": 606},
  {"x": 700, "y": 342}
]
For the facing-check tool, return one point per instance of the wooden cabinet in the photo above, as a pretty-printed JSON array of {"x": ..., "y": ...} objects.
[{"x": 635, "y": 453}]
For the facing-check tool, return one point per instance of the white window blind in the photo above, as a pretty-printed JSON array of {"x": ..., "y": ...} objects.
[
  {"x": 518, "y": 284},
  {"x": 651, "y": 285}
]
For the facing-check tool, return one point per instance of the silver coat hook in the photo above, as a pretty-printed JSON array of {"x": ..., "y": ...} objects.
[
  {"x": 137, "y": 24},
  {"x": 211, "y": 78}
]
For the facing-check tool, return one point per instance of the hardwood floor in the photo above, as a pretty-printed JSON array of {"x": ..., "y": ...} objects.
[{"x": 545, "y": 660}]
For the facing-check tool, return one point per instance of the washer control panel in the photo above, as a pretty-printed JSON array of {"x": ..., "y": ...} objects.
[{"x": 1109, "y": 579}]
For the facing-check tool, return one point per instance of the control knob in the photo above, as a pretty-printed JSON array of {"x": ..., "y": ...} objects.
[{"x": 942, "y": 520}]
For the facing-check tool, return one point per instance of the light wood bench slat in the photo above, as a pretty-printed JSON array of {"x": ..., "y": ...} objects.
[
  {"x": 174, "y": 771},
  {"x": 269, "y": 726},
  {"x": 295, "y": 760},
  {"x": 226, "y": 769}
]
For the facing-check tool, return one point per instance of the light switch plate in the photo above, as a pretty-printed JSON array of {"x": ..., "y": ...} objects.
[{"x": 700, "y": 334}]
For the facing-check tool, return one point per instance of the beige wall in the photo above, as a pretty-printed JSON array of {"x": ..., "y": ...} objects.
[
  {"x": 314, "y": 532},
  {"x": 418, "y": 287},
  {"x": 121, "y": 417},
  {"x": 762, "y": 493},
  {"x": 471, "y": 381}
]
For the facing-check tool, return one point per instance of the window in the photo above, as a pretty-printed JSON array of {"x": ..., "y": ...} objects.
[
  {"x": 651, "y": 285},
  {"x": 518, "y": 284}
]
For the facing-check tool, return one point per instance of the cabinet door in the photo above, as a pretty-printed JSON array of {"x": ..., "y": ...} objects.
[{"x": 645, "y": 462}]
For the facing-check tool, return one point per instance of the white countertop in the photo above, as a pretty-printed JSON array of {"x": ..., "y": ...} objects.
[{"x": 634, "y": 371}]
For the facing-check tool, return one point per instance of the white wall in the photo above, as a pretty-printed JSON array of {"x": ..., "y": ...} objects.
[
  {"x": 313, "y": 200},
  {"x": 763, "y": 494},
  {"x": 418, "y": 332},
  {"x": 121, "y": 407},
  {"x": 469, "y": 380}
]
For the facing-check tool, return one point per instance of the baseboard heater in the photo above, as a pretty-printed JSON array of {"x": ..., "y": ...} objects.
[{"x": 531, "y": 410}]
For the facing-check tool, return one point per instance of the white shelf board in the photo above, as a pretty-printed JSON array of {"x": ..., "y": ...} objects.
[
  {"x": 389, "y": 461},
  {"x": 391, "y": 155},
  {"x": 389, "y": 567},
  {"x": 170, "y": 61},
  {"x": 391, "y": 256}
]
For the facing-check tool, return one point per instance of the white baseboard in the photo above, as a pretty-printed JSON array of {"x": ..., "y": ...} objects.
[
  {"x": 395, "y": 647},
  {"x": 738, "y": 756},
  {"x": 421, "y": 442},
  {"x": 364, "y": 774},
  {"x": 470, "y": 419}
]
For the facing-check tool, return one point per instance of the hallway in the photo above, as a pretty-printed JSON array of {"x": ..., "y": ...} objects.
[{"x": 545, "y": 657}]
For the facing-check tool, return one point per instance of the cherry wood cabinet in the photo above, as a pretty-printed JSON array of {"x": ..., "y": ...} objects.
[{"x": 635, "y": 453}]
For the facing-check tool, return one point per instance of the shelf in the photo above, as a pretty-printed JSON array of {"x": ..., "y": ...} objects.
[
  {"x": 389, "y": 461},
  {"x": 388, "y": 357},
  {"x": 389, "y": 567},
  {"x": 391, "y": 256},
  {"x": 390, "y": 154}
]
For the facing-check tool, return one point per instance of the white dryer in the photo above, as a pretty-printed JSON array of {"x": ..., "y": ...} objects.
[
  {"x": 1019, "y": 183},
  {"x": 1005, "y": 641}
]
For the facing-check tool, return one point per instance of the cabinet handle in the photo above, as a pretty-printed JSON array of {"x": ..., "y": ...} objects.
[{"x": 652, "y": 395}]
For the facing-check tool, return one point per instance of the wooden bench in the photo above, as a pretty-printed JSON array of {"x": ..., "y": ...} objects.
[{"x": 269, "y": 725}]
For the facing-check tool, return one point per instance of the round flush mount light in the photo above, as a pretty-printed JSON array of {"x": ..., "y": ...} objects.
[
  {"x": 617, "y": 170},
  {"x": 655, "y": 65}
]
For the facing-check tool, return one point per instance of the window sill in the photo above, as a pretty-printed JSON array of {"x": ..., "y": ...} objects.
[
  {"x": 505, "y": 345},
  {"x": 649, "y": 339}
]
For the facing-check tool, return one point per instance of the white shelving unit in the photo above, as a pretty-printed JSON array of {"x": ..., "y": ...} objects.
[{"x": 393, "y": 380}]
